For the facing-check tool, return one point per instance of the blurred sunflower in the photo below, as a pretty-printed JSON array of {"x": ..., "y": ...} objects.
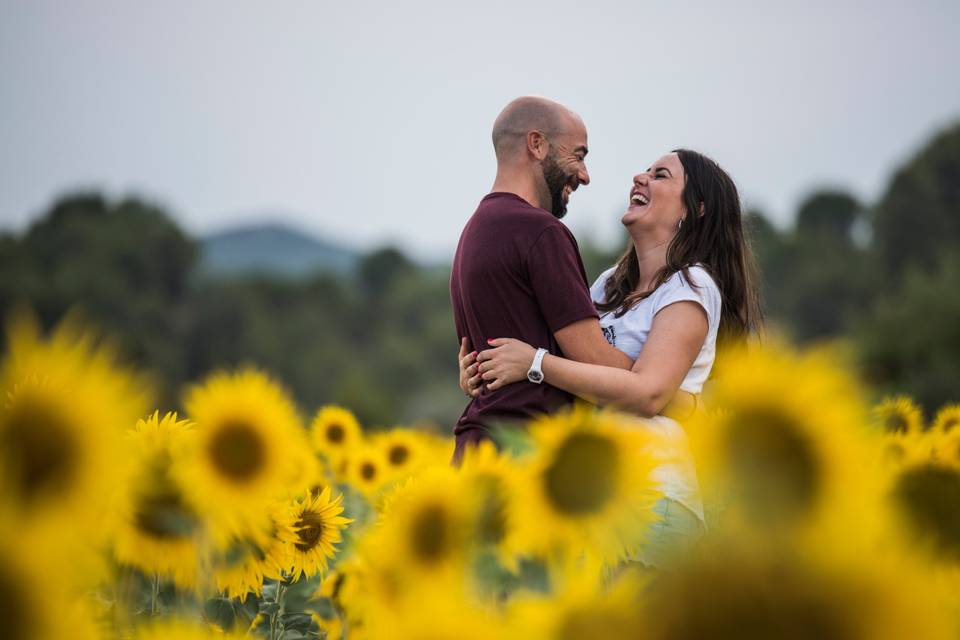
[
  {"x": 157, "y": 530},
  {"x": 899, "y": 414},
  {"x": 488, "y": 480},
  {"x": 425, "y": 528},
  {"x": 438, "y": 610},
  {"x": 247, "y": 450},
  {"x": 183, "y": 630},
  {"x": 318, "y": 526},
  {"x": 335, "y": 431},
  {"x": 588, "y": 488},
  {"x": 64, "y": 407},
  {"x": 786, "y": 445},
  {"x": 947, "y": 419},
  {"x": 37, "y": 602},
  {"x": 403, "y": 450},
  {"x": 737, "y": 589},
  {"x": 367, "y": 470},
  {"x": 242, "y": 568},
  {"x": 581, "y": 607},
  {"x": 924, "y": 493}
]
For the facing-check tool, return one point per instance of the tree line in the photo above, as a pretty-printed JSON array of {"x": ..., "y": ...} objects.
[{"x": 884, "y": 276}]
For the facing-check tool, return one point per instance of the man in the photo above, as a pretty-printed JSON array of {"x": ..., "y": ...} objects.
[{"x": 517, "y": 271}]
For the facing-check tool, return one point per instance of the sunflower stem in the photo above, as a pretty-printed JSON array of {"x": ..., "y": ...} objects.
[
  {"x": 155, "y": 595},
  {"x": 275, "y": 619}
]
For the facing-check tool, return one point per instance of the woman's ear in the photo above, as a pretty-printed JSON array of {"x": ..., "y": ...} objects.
[{"x": 702, "y": 210}]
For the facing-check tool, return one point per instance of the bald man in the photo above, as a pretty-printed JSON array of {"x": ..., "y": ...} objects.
[{"x": 517, "y": 271}]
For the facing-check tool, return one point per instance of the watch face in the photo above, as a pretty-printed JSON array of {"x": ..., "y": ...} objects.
[{"x": 534, "y": 376}]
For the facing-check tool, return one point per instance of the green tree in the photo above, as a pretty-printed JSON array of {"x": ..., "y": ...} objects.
[{"x": 918, "y": 218}]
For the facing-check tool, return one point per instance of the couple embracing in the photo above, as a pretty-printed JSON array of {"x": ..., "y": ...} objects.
[{"x": 643, "y": 337}]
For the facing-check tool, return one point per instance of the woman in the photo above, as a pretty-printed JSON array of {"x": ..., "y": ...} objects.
[{"x": 685, "y": 281}]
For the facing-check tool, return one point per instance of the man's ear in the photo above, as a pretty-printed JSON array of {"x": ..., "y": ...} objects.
[
  {"x": 702, "y": 210},
  {"x": 537, "y": 145}
]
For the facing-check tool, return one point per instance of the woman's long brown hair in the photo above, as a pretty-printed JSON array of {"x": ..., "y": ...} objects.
[{"x": 715, "y": 240}]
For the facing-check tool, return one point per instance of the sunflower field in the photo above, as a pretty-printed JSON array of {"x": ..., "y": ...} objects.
[{"x": 244, "y": 516}]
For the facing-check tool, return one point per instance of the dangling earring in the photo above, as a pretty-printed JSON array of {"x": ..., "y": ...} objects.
[{"x": 679, "y": 224}]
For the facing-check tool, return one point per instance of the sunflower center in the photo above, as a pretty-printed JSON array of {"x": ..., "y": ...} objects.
[
  {"x": 163, "y": 515},
  {"x": 368, "y": 471},
  {"x": 950, "y": 423},
  {"x": 309, "y": 531},
  {"x": 492, "y": 516},
  {"x": 13, "y": 609},
  {"x": 896, "y": 423},
  {"x": 335, "y": 433},
  {"x": 929, "y": 495},
  {"x": 776, "y": 470},
  {"x": 583, "y": 475},
  {"x": 429, "y": 533},
  {"x": 42, "y": 452},
  {"x": 398, "y": 454},
  {"x": 237, "y": 451}
]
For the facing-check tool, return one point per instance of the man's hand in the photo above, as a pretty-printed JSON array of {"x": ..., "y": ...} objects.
[{"x": 470, "y": 382}]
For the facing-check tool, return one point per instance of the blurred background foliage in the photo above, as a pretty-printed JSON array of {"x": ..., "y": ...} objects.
[{"x": 375, "y": 332}]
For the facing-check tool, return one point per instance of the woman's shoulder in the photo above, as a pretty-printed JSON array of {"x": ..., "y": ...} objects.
[
  {"x": 597, "y": 289},
  {"x": 696, "y": 284},
  {"x": 697, "y": 276}
]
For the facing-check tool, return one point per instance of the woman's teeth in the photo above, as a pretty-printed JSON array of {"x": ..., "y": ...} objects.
[{"x": 639, "y": 199}]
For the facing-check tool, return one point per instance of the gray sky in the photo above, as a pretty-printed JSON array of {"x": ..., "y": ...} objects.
[{"x": 368, "y": 122}]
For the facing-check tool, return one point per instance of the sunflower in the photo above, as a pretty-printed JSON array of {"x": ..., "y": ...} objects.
[
  {"x": 425, "y": 527},
  {"x": 242, "y": 569},
  {"x": 38, "y": 602},
  {"x": 923, "y": 494},
  {"x": 737, "y": 589},
  {"x": 157, "y": 531},
  {"x": 588, "y": 488},
  {"x": 436, "y": 609},
  {"x": 367, "y": 471},
  {"x": 247, "y": 451},
  {"x": 488, "y": 479},
  {"x": 785, "y": 446},
  {"x": 318, "y": 525},
  {"x": 335, "y": 431},
  {"x": 183, "y": 630},
  {"x": 898, "y": 414},
  {"x": 404, "y": 451},
  {"x": 581, "y": 607},
  {"x": 64, "y": 405},
  {"x": 947, "y": 419}
]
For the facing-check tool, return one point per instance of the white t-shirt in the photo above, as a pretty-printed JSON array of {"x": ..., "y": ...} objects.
[
  {"x": 629, "y": 332},
  {"x": 677, "y": 477}
]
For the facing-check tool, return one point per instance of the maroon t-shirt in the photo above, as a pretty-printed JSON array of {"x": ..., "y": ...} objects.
[{"x": 518, "y": 274}]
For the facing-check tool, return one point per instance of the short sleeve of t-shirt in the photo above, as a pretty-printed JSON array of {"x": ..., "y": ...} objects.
[
  {"x": 597, "y": 292},
  {"x": 700, "y": 289},
  {"x": 558, "y": 280}
]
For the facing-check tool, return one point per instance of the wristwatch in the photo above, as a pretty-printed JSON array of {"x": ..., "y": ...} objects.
[{"x": 535, "y": 374}]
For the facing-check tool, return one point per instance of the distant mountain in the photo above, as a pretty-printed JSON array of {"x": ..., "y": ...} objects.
[{"x": 272, "y": 248}]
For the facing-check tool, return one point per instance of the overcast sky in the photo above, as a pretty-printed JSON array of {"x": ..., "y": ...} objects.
[{"x": 368, "y": 122}]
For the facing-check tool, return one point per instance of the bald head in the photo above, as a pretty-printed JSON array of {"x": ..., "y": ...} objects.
[{"x": 526, "y": 114}]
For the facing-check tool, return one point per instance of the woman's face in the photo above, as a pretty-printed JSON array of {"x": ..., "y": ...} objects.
[{"x": 656, "y": 204}]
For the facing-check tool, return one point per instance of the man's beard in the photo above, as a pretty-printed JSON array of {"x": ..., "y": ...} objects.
[{"x": 556, "y": 180}]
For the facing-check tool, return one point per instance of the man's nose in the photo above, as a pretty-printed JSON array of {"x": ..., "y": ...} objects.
[{"x": 583, "y": 176}]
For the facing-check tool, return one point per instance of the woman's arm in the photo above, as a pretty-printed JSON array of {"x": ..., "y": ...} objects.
[{"x": 676, "y": 337}]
